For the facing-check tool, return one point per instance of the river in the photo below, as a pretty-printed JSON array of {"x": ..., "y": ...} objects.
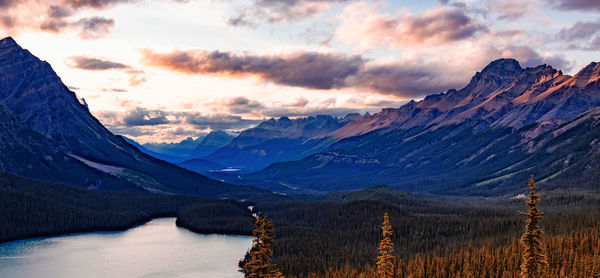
[{"x": 156, "y": 249}]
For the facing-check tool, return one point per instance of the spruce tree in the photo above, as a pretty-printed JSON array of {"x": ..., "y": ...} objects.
[
  {"x": 534, "y": 260},
  {"x": 385, "y": 263},
  {"x": 260, "y": 263}
]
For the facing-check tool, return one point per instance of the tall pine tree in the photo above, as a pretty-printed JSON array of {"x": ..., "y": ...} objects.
[
  {"x": 260, "y": 264},
  {"x": 534, "y": 260},
  {"x": 385, "y": 260}
]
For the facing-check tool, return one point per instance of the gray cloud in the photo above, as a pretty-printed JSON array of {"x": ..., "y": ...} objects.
[
  {"x": 90, "y": 63},
  {"x": 95, "y": 27},
  {"x": 59, "y": 11},
  {"x": 8, "y": 3},
  {"x": 96, "y": 4},
  {"x": 581, "y": 30},
  {"x": 580, "y": 5},
  {"x": 217, "y": 122},
  {"x": 583, "y": 35},
  {"x": 89, "y": 28},
  {"x": 278, "y": 11},
  {"x": 530, "y": 58},
  {"x": 143, "y": 117},
  {"x": 241, "y": 105}
]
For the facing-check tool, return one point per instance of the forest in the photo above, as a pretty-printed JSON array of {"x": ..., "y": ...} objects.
[{"x": 570, "y": 249}]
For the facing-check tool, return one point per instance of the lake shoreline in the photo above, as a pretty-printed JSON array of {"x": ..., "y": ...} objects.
[
  {"x": 123, "y": 229},
  {"x": 158, "y": 248}
]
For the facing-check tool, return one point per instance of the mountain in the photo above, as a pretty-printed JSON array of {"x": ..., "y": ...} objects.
[
  {"x": 168, "y": 158},
  {"x": 276, "y": 140},
  {"x": 175, "y": 149},
  {"x": 212, "y": 142},
  {"x": 484, "y": 139},
  {"x": 48, "y": 134}
]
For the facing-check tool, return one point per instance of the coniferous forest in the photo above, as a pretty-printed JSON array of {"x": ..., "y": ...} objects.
[{"x": 469, "y": 240}]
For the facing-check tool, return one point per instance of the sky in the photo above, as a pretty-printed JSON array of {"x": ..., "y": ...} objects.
[{"x": 165, "y": 70}]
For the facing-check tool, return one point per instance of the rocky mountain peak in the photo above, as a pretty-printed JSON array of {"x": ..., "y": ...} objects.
[
  {"x": 587, "y": 75},
  {"x": 505, "y": 66},
  {"x": 8, "y": 43}
]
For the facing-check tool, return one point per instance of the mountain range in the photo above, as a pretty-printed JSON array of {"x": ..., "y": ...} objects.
[
  {"x": 507, "y": 123},
  {"x": 48, "y": 134}
]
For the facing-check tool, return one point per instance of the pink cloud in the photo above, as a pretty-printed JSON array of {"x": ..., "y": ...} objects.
[{"x": 364, "y": 25}]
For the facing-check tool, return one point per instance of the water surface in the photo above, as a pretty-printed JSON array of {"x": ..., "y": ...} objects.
[{"x": 156, "y": 249}]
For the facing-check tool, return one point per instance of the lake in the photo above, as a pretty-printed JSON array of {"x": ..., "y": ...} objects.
[{"x": 156, "y": 249}]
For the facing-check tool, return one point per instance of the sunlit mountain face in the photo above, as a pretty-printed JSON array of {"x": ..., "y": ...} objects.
[{"x": 163, "y": 71}]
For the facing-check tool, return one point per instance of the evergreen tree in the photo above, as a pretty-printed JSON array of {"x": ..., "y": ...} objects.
[
  {"x": 385, "y": 263},
  {"x": 534, "y": 260},
  {"x": 259, "y": 264}
]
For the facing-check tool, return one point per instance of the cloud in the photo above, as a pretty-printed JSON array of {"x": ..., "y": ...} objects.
[
  {"x": 136, "y": 77},
  {"x": 581, "y": 30},
  {"x": 59, "y": 11},
  {"x": 414, "y": 76},
  {"x": 580, "y": 5},
  {"x": 299, "y": 102},
  {"x": 362, "y": 24},
  {"x": 510, "y": 9},
  {"x": 88, "y": 28},
  {"x": 91, "y": 63},
  {"x": 279, "y": 11},
  {"x": 94, "y": 27},
  {"x": 240, "y": 105},
  {"x": 142, "y": 117},
  {"x": 96, "y": 4},
  {"x": 8, "y": 3},
  {"x": 583, "y": 35},
  {"x": 217, "y": 121},
  {"x": 304, "y": 69}
]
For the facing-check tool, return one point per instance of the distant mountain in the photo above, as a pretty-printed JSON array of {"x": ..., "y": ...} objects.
[
  {"x": 48, "y": 134},
  {"x": 484, "y": 139},
  {"x": 168, "y": 158},
  {"x": 276, "y": 140},
  {"x": 212, "y": 142},
  {"x": 180, "y": 149}
]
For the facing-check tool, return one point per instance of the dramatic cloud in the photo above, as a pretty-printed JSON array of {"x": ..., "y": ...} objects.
[
  {"x": 278, "y": 11},
  {"x": 404, "y": 77},
  {"x": 90, "y": 63},
  {"x": 306, "y": 69},
  {"x": 581, "y": 5},
  {"x": 363, "y": 25}
]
